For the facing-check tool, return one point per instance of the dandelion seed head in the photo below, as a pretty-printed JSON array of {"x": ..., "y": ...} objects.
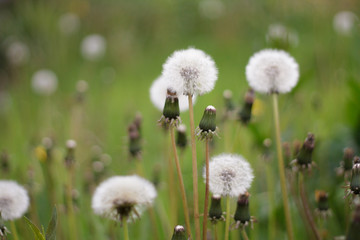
[
  {"x": 272, "y": 71},
  {"x": 44, "y": 82},
  {"x": 93, "y": 47},
  {"x": 158, "y": 93},
  {"x": 190, "y": 72},
  {"x": 211, "y": 9},
  {"x": 229, "y": 174},
  {"x": 17, "y": 53},
  {"x": 227, "y": 94},
  {"x": 181, "y": 128},
  {"x": 14, "y": 200},
  {"x": 344, "y": 22},
  {"x": 277, "y": 31},
  {"x": 71, "y": 144},
  {"x": 118, "y": 191},
  {"x": 82, "y": 86},
  {"x": 69, "y": 23}
]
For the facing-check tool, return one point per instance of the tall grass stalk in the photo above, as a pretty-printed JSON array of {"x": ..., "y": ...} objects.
[
  {"x": 306, "y": 207},
  {"x": 227, "y": 221},
  {"x": 195, "y": 173},
  {"x": 181, "y": 182},
  {"x": 206, "y": 201},
  {"x": 288, "y": 221}
]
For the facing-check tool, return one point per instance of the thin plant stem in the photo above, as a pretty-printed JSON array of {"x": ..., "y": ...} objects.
[
  {"x": 306, "y": 207},
  {"x": 13, "y": 230},
  {"x": 215, "y": 232},
  {"x": 227, "y": 221},
  {"x": 288, "y": 221},
  {"x": 271, "y": 197},
  {"x": 125, "y": 227},
  {"x": 243, "y": 233},
  {"x": 154, "y": 223},
  {"x": 194, "y": 172},
  {"x": 70, "y": 205},
  {"x": 181, "y": 182},
  {"x": 206, "y": 202}
]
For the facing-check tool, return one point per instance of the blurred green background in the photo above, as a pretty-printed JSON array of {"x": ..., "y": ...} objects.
[{"x": 137, "y": 38}]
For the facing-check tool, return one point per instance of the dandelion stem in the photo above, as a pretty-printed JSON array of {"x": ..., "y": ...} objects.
[
  {"x": 305, "y": 204},
  {"x": 243, "y": 233},
  {"x": 215, "y": 232},
  {"x": 206, "y": 203},
  {"x": 194, "y": 167},
  {"x": 70, "y": 205},
  {"x": 13, "y": 230},
  {"x": 125, "y": 227},
  {"x": 181, "y": 182},
  {"x": 282, "y": 169},
  {"x": 227, "y": 222},
  {"x": 271, "y": 197}
]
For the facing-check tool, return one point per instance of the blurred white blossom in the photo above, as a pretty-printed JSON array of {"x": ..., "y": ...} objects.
[
  {"x": 69, "y": 23},
  {"x": 17, "y": 53},
  {"x": 44, "y": 82},
  {"x": 211, "y": 9},
  {"x": 93, "y": 47},
  {"x": 344, "y": 22}
]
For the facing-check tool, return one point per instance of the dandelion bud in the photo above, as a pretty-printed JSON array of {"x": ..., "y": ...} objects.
[
  {"x": 245, "y": 113},
  {"x": 242, "y": 213},
  {"x": 181, "y": 140},
  {"x": 171, "y": 108},
  {"x": 304, "y": 158},
  {"x": 207, "y": 125},
  {"x": 179, "y": 233},
  {"x": 348, "y": 159},
  {"x": 353, "y": 233},
  {"x": 321, "y": 198},
  {"x": 229, "y": 104},
  {"x": 355, "y": 177},
  {"x": 134, "y": 140},
  {"x": 215, "y": 212},
  {"x": 70, "y": 158}
]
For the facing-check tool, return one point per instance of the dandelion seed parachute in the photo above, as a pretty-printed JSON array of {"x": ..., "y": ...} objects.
[
  {"x": 230, "y": 174},
  {"x": 272, "y": 71},
  {"x": 158, "y": 92},
  {"x": 190, "y": 72},
  {"x": 14, "y": 200},
  {"x": 118, "y": 191}
]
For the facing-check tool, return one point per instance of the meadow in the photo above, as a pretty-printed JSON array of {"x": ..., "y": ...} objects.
[{"x": 136, "y": 38}]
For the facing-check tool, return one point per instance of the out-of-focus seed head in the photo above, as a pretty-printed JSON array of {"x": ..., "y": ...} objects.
[
  {"x": 181, "y": 139},
  {"x": 229, "y": 104},
  {"x": 245, "y": 113},
  {"x": 70, "y": 155}
]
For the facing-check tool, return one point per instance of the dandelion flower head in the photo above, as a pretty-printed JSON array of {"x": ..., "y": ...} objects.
[
  {"x": 190, "y": 72},
  {"x": 272, "y": 71},
  {"x": 14, "y": 200},
  {"x": 123, "y": 196},
  {"x": 344, "y": 22},
  {"x": 158, "y": 92},
  {"x": 93, "y": 47},
  {"x": 229, "y": 175},
  {"x": 44, "y": 82}
]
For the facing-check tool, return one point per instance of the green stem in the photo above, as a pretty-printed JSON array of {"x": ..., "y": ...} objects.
[
  {"x": 271, "y": 212},
  {"x": 306, "y": 206},
  {"x": 194, "y": 172},
  {"x": 70, "y": 205},
  {"x": 227, "y": 222},
  {"x": 288, "y": 221},
  {"x": 206, "y": 202},
  {"x": 125, "y": 227},
  {"x": 243, "y": 233},
  {"x": 181, "y": 182},
  {"x": 215, "y": 232},
  {"x": 13, "y": 230}
]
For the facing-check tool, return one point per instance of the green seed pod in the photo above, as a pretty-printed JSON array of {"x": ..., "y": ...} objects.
[
  {"x": 304, "y": 158},
  {"x": 179, "y": 233},
  {"x": 355, "y": 177},
  {"x": 245, "y": 113},
  {"x": 208, "y": 121},
  {"x": 354, "y": 230},
  {"x": 348, "y": 159},
  {"x": 171, "y": 108},
  {"x": 215, "y": 211},
  {"x": 322, "y": 200},
  {"x": 181, "y": 139},
  {"x": 242, "y": 213}
]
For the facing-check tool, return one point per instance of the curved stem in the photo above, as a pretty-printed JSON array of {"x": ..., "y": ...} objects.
[
  {"x": 227, "y": 222},
  {"x": 206, "y": 203},
  {"x": 194, "y": 172},
  {"x": 13, "y": 230},
  {"x": 181, "y": 182},
  {"x": 305, "y": 204},
  {"x": 243, "y": 233},
  {"x": 125, "y": 227},
  {"x": 282, "y": 169}
]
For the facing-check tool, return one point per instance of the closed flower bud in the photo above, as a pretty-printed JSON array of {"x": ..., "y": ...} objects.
[
  {"x": 70, "y": 155},
  {"x": 171, "y": 112},
  {"x": 242, "y": 213},
  {"x": 207, "y": 125},
  {"x": 322, "y": 209},
  {"x": 304, "y": 157},
  {"x": 179, "y": 233},
  {"x": 355, "y": 177},
  {"x": 245, "y": 113},
  {"x": 215, "y": 212},
  {"x": 181, "y": 140}
]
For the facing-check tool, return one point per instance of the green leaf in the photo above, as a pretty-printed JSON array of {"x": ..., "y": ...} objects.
[
  {"x": 51, "y": 229},
  {"x": 37, "y": 233}
]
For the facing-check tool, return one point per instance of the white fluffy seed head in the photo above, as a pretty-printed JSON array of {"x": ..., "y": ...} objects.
[
  {"x": 181, "y": 128},
  {"x": 277, "y": 31},
  {"x": 190, "y": 72},
  {"x": 211, "y": 9},
  {"x": 17, "y": 53},
  {"x": 344, "y": 22},
  {"x": 14, "y": 200},
  {"x": 44, "y": 82},
  {"x": 229, "y": 175},
  {"x": 69, "y": 23},
  {"x": 121, "y": 190},
  {"x": 71, "y": 144},
  {"x": 272, "y": 71},
  {"x": 93, "y": 47},
  {"x": 158, "y": 92}
]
